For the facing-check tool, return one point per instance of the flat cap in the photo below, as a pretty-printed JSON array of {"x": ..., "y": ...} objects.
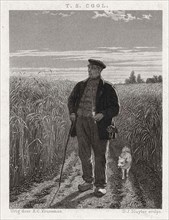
[{"x": 97, "y": 63}]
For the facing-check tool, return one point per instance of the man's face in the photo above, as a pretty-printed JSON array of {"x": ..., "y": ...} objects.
[{"x": 94, "y": 71}]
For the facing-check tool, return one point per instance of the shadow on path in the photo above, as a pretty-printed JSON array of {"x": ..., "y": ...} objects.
[{"x": 69, "y": 202}]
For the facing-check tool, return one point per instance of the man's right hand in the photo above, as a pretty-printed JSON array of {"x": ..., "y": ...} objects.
[{"x": 72, "y": 117}]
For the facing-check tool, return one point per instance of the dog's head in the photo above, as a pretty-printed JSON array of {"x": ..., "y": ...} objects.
[
  {"x": 126, "y": 149},
  {"x": 121, "y": 162}
]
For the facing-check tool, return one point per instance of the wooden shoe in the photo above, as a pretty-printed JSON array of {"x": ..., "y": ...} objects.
[
  {"x": 85, "y": 186},
  {"x": 99, "y": 192}
]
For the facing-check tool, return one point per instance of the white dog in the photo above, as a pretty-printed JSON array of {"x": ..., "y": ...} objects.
[{"x": 125, "y": 160}]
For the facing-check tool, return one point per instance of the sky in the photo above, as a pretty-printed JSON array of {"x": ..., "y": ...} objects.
[{"x": 60, "y": 43}]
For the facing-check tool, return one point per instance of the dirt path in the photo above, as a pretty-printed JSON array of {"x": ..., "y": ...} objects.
[{"x": 126, "y": 193}]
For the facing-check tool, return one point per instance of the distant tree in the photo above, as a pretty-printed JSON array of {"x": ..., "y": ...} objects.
[
  {"x": 155, "y": 78},
  {"x": 139, "y": 79},
  {"x": 132, "y": 77},
  {"x": 127, "y": 81},
  {"x": 160, "y": 78},
  {"x": 150, "y": 80}
]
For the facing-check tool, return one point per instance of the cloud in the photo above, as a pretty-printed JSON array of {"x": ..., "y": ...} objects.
[
  {"x": 63, "y": 14},
  {"x": 26, "y": 51},
  {"x": 45, "y": 12},
  {"x": 121, "y": 57},
  {"x": 78, "y": 54},
  {"x": 145, "y": 47},
  {"x": 47, "y": 69},
  {"x": 147, "y": 17},
  {"x": 60, "y": 54},
  {"x": 120, "y": 15},
  {"x": 98, "y": 15},
  {"x": 111, "y": 48},
  {"x": 55, "y": 13},
  {"x": 115, "y": 15},
  {"x": 119, "y": 53}
]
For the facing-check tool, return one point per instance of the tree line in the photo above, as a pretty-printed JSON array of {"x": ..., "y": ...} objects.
[{"x": 137, "y": 79}]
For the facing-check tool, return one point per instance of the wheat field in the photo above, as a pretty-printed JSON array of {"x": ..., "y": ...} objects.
[
  {"x": 140, "y": 122},
  {"x": 39, "y": 124}
]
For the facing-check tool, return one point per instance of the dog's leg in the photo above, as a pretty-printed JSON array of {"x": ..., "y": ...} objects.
[
  {"x": 123, "y": 174},
  {"x": 127, "y": 173}
]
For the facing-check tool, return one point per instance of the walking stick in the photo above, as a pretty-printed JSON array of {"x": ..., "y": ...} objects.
[{"x": 64, "y": 157}]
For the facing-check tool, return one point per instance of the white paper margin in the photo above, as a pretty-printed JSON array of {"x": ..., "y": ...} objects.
[{"x": 6, "y": 213}]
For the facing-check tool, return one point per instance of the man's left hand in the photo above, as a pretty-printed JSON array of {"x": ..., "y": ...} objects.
[{"x": 98, "y": 117}]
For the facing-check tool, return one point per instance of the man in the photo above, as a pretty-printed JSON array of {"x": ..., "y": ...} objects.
[{"x": 92, "y": 105}]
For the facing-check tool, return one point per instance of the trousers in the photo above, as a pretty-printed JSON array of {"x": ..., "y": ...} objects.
[{"x": 88, "y": 140}]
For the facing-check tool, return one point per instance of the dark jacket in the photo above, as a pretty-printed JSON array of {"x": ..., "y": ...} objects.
[{"x": 106, "y": 103}]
